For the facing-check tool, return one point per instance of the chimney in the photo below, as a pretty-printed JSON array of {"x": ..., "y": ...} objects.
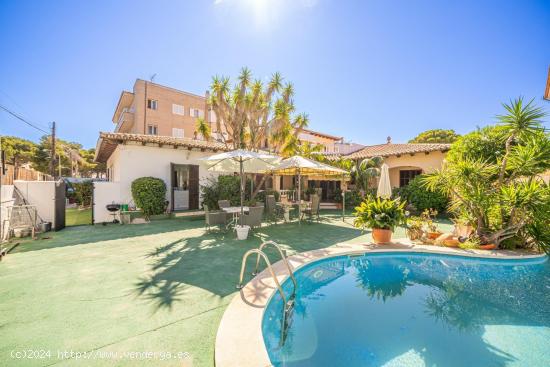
[{"x": 388, "y": 140}]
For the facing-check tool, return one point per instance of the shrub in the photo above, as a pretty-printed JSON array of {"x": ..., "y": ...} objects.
[
  {"x": 149, "y": 194},
  {"x": 353, "y": 198},
  {"x": 83, "y": 193},
  {"x": 380, "y": 213},
  {"x": 224, "y": 187},
  {"x": 416, "y": 194},
  {"x": 260, "y": 197}
]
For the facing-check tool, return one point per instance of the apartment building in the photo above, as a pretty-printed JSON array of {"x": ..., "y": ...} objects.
[{"x": 154, "y": 109}]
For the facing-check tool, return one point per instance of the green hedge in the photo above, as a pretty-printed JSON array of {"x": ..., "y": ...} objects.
[
  {"x": 149, "y": 194},
  {"x": 83, "y": 193},
  {"x": 225, "y": 187},
  {"x": 421, "y": 198}
]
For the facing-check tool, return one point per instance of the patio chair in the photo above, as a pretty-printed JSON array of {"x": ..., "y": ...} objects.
[
  {"x": 313, "y": 210},
  {"x": 214, "y": 218},
  {"x": 254, "y": 217},
  {"x": 224, "y": 203},
  {"x": 273, "y": 212}
]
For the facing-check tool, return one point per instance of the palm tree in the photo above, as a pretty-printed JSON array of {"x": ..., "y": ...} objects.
[
  {"x": 363, "y": 172},
  {"x": 203, "y": 128},
  {"x": 252, "y": 113},
  {"x": 520, "y": 121}
]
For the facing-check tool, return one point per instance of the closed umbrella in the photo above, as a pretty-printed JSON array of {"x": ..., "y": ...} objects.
[
  {"x": 384, "y": 186},
  {"x": 241, "y": 161}
]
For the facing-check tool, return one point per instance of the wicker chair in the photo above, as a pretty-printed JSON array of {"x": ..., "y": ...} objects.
[
  {"x": 254, "y": 216},
  {"x": 214, "y": 218},
  {"x": 313, "y": 210},
  {"x": 273, "y": 212}
]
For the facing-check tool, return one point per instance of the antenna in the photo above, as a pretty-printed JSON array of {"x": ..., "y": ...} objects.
[{"x": 152, "y": 77}]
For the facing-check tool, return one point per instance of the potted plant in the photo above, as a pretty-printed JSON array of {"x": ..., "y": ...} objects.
[
  {"x": 432, "y": 232},
  {"x": 414, "y": 228},
  {"x": 382, "y": 215},
  {"x": 242, "y": 231}
]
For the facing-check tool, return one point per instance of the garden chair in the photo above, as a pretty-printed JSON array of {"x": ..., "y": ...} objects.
[
  {"x": 214, "y": 218},
  {"x": 313, "y": 210},
  {"x": 254, "y": 217},
  {"x": 273, "y": 212},
  {"x": 224, "y": 203}
]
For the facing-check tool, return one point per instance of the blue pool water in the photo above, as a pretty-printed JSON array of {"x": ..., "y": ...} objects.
[{"x": 414, "y": 310}]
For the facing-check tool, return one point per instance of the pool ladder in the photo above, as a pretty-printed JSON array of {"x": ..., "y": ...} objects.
[{"x": 288, "y": 303}]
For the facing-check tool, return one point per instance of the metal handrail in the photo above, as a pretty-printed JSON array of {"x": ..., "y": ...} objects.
[
  {"x": 268, "y": 263},
  {"x": 283, "y": 257}
]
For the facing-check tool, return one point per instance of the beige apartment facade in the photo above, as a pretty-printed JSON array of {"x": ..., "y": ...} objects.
[{"x": 154, "y": 109}]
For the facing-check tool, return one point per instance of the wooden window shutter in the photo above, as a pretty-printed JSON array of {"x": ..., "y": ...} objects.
[{"x": 193, "y": 187}]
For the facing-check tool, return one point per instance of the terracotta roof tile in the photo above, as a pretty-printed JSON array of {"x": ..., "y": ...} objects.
[
  {"x": 108, "y": 141},
  {"x": 386, "y": 150}
]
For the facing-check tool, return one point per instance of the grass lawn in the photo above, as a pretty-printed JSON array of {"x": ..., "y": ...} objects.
[
  {"x": 158, "y": 287},
  {"x": 78, "y": 217}
]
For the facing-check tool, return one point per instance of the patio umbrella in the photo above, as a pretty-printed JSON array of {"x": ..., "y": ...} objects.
[
  {"x": 298, "y": 165},
  {"x": 384, "y": 186},
  {"x": 241, "y": 161}
]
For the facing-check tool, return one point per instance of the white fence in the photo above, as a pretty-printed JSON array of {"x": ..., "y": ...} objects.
[{"x": 105, "y": 193}]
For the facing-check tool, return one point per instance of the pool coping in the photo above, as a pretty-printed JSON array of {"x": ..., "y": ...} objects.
[{"x": 239, "y": 339}]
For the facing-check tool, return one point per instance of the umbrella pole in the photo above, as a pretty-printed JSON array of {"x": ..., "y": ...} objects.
[
  {"x": 242, "y": 190},
  {"x": 299, "y": 197},
  {"x": 343, "y": 200}
]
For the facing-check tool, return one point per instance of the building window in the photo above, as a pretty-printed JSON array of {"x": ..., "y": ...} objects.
[
  {"x": 152, "y": 104},
  {"x": 152, "y": 130},
  {"x": 405, "y": 176},
  {"x": 178, "y": 133},
  {"x": 178, "y": 109}
]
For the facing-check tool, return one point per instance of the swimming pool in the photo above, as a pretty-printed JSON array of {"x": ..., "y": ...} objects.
[{"x": 412, "y": 309}]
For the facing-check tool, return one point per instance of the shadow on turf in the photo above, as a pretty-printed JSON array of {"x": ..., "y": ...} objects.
[{"x": 212, "y": 261}]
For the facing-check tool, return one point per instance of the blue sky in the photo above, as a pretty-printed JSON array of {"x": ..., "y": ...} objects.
[{"x": 361, "y": 69}]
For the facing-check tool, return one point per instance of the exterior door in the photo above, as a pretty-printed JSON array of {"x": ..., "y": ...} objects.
[{"x": 193, "y": 187}]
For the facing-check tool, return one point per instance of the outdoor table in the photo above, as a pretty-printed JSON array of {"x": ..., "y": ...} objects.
[
  {"x": 235, "y": 210},
  {"x": 291, "y": 206}
]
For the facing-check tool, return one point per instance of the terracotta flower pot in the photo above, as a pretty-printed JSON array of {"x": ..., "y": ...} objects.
[
  {"x": 381, "y": 236},
  {"x": 490, "y": 246},
  {"x": 451, "y": 242},
  {"x": 433, "y": 235}
]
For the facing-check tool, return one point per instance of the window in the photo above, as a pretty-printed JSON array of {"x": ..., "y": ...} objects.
[
  {"x": 405, "y": 176},
  {"x": 152, "y": 104},
  {"x": 178, "y": 109},
  {"x": 195, "y": 112},
  {"x": 152, "y": 129},
  {"x": 178, "y": 133}
]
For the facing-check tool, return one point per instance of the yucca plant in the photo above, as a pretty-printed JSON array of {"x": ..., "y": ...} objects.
[{"x": 501, "y": 188}]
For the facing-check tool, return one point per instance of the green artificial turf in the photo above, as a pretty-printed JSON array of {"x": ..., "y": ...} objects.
[{"x": 160, "y": 287}]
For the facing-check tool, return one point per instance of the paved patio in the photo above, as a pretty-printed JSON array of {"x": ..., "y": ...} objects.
[{"x": 160, "y": 287}]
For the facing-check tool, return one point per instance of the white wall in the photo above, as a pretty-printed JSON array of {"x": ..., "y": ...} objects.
[
  {"x": 132, "y": 161},
  {"x": 41, "y": 194},
  {"x": 105, "y": 193}
]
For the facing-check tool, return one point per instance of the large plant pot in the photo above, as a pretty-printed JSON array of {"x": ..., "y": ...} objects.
[
  {"x": 242, "y": 232},
  {"x": 381, "y": 236}
]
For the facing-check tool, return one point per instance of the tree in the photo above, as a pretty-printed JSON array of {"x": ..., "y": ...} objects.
[
  {"x": 18, "y": 150},
  {"x": 436, "y": 136},
  {"x": 363, "y": 172},
  {"x": 304, "y": 149},
  {"x": 251, "y": 112},
  {"x": 498, "y": 184},
  {"x": 202, "y": 128}
]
